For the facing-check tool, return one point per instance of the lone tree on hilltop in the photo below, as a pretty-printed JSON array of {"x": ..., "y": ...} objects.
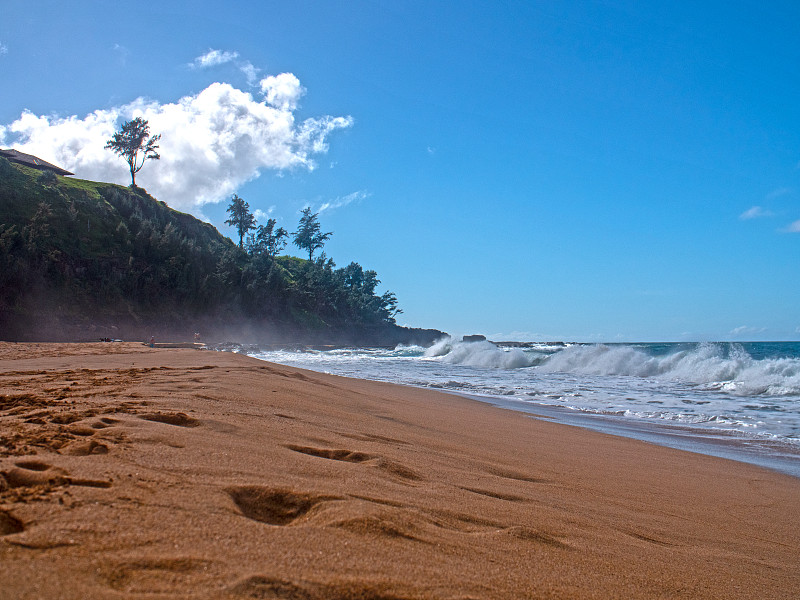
[
  {"x": 241, "y": 218},
  {"x": 308, "y": 235},
  {"x": 134, "y": 143}
]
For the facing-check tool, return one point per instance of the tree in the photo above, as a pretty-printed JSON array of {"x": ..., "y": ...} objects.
[
  {"x": 133, "y": 142},
  {"x": 308, "y": 235},
  {"x": 269, "y": 240},
  {"x": 241, "y": 217}
]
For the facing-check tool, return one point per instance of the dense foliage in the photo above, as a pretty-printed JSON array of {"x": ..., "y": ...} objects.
[{"x": 76, "y": 254}]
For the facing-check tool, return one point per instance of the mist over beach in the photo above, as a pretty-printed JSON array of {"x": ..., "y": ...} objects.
[{"x": 399, "y": 301}]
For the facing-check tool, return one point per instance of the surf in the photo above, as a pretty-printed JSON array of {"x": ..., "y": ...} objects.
[{"x": 724, "y": 367}]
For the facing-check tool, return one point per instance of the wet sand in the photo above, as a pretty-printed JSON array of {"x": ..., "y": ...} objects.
[{"x": 130, "y": 472}]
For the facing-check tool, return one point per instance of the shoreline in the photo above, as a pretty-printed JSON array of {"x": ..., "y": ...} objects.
[
  {"x": 195, "y": 474},
  {"x": 776, "y": 455},
  {"x": 728, "y": 444}
]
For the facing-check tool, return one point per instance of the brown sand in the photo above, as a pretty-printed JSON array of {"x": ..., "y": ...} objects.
[{"x": 131, "y": 472}]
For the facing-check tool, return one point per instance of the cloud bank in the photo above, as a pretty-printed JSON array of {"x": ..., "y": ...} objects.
[{"x": 211, "y": 142}]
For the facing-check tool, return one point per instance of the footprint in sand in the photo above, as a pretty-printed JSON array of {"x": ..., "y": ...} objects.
[
  {"x": 260, "y": 586},
  {"x": 29, "y": 473},
  {"x": 85, "y": 448},
  {"x": 274, "y": 506},
  {"x": 342, "y": 455},
  {"x": 160, "y": 576},
  {"x": 386, "y": 465},
  {"x": 81, "y": 430},
  {"x": 65, "y": 418},
  {"x": 179, "y": 419},
  {"x": 9, "y": 524},
  {"x": 507, "y": 474},
  {"x": 32, "y": 473},
  {"x": 537, "y": 537},
  {"x": 497, "y": 495},
  {"x": 369, "y": 437},
  {"x": 378, "y": 526}
]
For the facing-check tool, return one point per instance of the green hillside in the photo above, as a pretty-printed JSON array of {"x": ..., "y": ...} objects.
[{"x": 84, "y": 260}]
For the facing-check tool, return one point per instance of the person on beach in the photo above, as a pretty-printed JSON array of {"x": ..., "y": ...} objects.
[{"x": 152, "y": 341}]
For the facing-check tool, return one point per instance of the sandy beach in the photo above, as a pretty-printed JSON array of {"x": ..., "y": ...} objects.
[{"x": 131, "y": 472}]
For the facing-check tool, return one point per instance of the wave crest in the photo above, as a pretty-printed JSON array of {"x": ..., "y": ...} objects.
[
  {"x": 725, "y": 367},
  {"x": 480, "y": 354}
]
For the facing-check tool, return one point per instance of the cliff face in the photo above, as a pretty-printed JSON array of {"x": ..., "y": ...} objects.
[{"x": 82, "y": 260}]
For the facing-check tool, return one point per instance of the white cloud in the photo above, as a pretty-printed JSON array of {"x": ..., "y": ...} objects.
[
  {"x": 793, "y": 227},
  {"x": 746, "y": 330},
  {"x": 778, "y": 193},
  {"x": 282, "y": 91},
  {"x": 211, "y": 143},
  {"x": 212, "y": 58},
  {"x": 343, "y": 201},
  {"x": 262, "y": 215},
  {"x": 3, "y": 49},
  {"x": 755, "y": 213},
  {"x": 250, "y": 71}
]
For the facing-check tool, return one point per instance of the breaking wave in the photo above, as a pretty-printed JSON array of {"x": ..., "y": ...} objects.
[
  {"x": 480, "y": 354},
  {"x": 722, "y": 367}
]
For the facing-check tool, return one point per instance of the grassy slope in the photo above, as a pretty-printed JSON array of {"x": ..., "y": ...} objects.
[{"x": 87, "y": 231}]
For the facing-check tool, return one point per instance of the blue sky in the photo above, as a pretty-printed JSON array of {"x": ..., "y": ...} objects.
[{"x": 598, "y": 171}]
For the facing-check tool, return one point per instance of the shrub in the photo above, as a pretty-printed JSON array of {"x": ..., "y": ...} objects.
[{"x": 47, "y": 177}]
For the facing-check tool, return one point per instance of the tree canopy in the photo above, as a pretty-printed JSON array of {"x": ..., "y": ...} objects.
[
  {"x": 268, "y": 240},
  {"x": 309, "y": 235},
  {"x": 241, "y": 217},
  {"x": 134, "y": 143}
]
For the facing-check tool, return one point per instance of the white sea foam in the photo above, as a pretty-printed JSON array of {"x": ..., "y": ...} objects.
[
  {"x": 714, "y": 366},
  {"x": 725, "y": 367},
  {"x": 480, "y": 354}
]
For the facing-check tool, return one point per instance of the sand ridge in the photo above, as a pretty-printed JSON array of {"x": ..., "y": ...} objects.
[{"x": 156, "y": 473}]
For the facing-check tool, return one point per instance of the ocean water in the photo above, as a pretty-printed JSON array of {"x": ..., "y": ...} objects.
[{"x": 740, "y": 401}]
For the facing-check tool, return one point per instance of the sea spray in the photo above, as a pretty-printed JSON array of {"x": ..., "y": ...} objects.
[
  {"x": 713, "y": 366},
  {"x": 480, "y": 354},
  {"x": 439, "y": 348}
]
